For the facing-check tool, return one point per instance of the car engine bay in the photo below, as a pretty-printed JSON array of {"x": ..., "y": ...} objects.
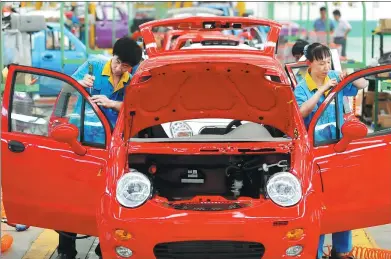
[{"x": 183, "y": 177}]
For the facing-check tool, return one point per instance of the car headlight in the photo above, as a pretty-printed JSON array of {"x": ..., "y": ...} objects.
[
  {"x": 133, "y": 189},
  {"x": 180, "y": 129},
  {"x": 284, "y": 189}
]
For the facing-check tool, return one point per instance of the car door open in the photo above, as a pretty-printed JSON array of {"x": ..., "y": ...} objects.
[
  {"x": 296, "y": 72},
  {"x": 53, "y": 173},
  {"x": 353, "y": 165}
]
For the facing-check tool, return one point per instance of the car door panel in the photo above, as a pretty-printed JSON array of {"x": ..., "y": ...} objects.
[
  {"x": 349, "y": 179},
  {"x": 291, "y": 70},
  {"x": 45, "y": 184},
  {"x": 76, "y": 52},
  {"x": 122, "y": 25},
  {"x": 356, "y": 182},
  {"x": 54, "y": 198},
  {"x": 105, "y": 29}
]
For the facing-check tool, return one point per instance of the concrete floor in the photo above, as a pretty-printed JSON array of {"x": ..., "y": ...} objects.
[
  {"x": 22, "y": 241},
  {"x": 382, "y": 236},
  {"x": 37, "y": 243}
]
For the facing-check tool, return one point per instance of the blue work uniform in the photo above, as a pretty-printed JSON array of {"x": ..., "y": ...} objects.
[
  {"x": 320, "y": 25},
  {"x": 103, "y": 85},
  {"x": 300, "y": 75},
  {"x": 342, "y": 241},
  {"x": 325, "y": 127}
]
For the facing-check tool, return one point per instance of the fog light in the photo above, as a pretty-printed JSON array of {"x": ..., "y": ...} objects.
[
  {"x": 123, "y": 235},
  {"x": 294, "y": 250},
  {"x": 123, "y": 251},
  {"x": 295, "y": 234}
]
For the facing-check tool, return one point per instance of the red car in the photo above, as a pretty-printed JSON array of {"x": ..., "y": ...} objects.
[
  {"x": 170, "y": 37},
  {"x": 263, "y": 189}
]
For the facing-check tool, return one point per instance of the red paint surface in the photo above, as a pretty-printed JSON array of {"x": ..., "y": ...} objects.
[{"x": 49, "y": 186}]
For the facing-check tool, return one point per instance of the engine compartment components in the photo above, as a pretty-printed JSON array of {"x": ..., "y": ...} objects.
[{"x": 183, "y": 177}]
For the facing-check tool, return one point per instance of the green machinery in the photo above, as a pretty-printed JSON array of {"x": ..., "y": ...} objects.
[{"x": 306, "y": 24}]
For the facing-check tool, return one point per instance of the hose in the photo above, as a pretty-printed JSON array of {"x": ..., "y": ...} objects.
[
  {"x": 370, "y": 253},
  {"x": 365, "y": 253}
]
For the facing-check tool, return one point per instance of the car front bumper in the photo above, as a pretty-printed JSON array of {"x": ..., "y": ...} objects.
[{"x": 150, "y": 226}]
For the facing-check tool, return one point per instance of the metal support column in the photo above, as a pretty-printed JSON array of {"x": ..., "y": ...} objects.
[
  {"x": 301, "y": 14},
  {"x": 87, "y": 29},
  {"x": 114, "y": 32},
  {"x": 364, "y": 34},
  {"x": 307, "y": 26},
  {"x": 86, "y": 25},
  {"x": 62, "y": 21},
  {"x": 327, "y": 24},
  {"x": 270, "y": 10},
  {"x": 376, "y": 103},
  {"x": 130, "y": 17}
]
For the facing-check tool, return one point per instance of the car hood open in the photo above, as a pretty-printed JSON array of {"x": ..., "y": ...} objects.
[{"x": 194, "y": 90}]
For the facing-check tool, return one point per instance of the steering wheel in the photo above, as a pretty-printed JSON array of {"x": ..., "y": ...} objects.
[{"x": 236, "y": 123}]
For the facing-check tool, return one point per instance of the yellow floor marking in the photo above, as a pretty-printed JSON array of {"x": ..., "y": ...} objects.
[
  {"x": 363, "y": 238},
  {"x": 44, "y": 246}
]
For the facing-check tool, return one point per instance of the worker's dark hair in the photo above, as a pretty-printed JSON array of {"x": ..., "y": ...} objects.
[
  {"x": 298, "y": 47},
  {"x": 322, "y": 9},
  {"x": 337, "y": 12},
  {"x": 316, "y": 51},
  {"x": 127, "y": 51}
]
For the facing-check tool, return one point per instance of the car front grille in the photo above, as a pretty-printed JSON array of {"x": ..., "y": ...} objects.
[
  {"x": 208, "y": 206},
  {"x": 209, "y": 250}
]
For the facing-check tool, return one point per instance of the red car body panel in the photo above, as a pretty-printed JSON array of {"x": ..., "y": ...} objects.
[
  {"x": 231, "y": 91},
  {"x": 197, "y": 23},
  {"x": 353, "y": 166},
  {"x": 198, "y": 37},
  {"x": 79, "y": 194},
  {"x": 50, "y": 167},
  {"x": 170, "y": 36}
]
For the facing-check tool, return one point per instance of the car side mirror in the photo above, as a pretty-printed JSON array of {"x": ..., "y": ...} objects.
[
  {"x": 68, "y": 133},
  {"x": 351, "y": 130}
]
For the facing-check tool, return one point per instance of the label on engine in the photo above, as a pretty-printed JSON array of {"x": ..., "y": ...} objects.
[
  {"x": 192, "y": 176},
  {"x": 192, "y": 173}
]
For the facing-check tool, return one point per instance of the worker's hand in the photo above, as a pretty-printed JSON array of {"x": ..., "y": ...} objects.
[
  {"x": 328, "y": 85},
  {"x": 342, "y": 76},
  {"x": 87, "y": 81},
  {"x": 102, "y": 100}
]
